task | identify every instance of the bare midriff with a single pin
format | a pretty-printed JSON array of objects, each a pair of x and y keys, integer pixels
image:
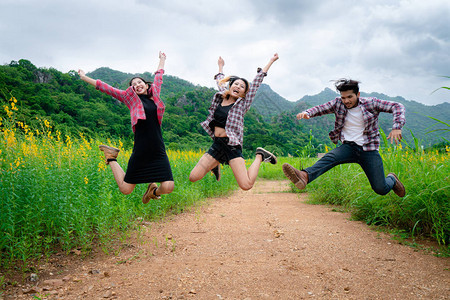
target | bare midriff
[{"x": 220, "y": 132}]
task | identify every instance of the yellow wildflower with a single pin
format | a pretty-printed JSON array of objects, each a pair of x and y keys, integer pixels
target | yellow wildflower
[{"x": 13, "y": 106}]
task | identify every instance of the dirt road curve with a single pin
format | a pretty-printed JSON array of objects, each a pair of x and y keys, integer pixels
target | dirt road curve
[{"x": 261, "y": 244}]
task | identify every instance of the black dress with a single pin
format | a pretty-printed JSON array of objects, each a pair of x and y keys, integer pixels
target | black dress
[{"x": 149, "y": 161}]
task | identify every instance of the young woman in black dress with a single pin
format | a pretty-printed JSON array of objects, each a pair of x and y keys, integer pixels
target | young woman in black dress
[{"x": 148, "y": 162}]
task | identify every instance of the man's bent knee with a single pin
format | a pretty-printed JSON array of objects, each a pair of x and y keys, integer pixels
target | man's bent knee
[{"x": 380, "y": 191}]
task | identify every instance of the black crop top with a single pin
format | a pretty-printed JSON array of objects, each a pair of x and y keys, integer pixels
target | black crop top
[{"x": 220, "y": 116}]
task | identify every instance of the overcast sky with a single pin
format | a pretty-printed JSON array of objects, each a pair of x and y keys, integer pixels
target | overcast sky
[{"x": 399, "y": 48}]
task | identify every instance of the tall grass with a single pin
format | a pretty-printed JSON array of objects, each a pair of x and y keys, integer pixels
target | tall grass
[
  {"x": 57, "y": 193},
  {"x": 425, "y": 210}
]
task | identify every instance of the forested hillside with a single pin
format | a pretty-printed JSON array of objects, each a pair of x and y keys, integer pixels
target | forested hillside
[
  {"x": 417, "y": 116},
  {"x": 73, "y": 106}
]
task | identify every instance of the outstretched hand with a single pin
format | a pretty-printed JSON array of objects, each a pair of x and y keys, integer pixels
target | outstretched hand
[
  {"x": 81, "y": 73},
  {"x": 271, "y": 61},
  {"x": 162, "y": 60},
  {"x": 395, "y": 136},
  {"x": 220, "y": 61},
  {"x": 302, "y": 115},
  {"x": 86, "y": 78},
  {"x": 274, "y": 57}
]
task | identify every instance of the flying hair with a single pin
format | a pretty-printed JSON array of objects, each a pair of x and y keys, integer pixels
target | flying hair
[
  {"x": 228, "y": 81},
  {"x": 344, "y": 84}
]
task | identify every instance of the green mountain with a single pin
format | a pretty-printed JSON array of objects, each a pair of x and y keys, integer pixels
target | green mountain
[
  {"x": 268, "y": 103},
  {"x": 73, "y": 106},
  {"x": 417, "y": 115}
]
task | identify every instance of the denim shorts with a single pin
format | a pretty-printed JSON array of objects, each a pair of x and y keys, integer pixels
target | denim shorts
[{"x": 222, "y": 152}]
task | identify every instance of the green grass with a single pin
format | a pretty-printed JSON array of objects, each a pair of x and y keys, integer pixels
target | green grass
[
  {"x": 425, "y": 210},
  {"x": 55, "y": 199},
  {"x": 56, "y": 193}
]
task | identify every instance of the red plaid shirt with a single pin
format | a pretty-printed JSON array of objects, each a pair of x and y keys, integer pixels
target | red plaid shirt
[
  {"x": 235, "y": 121},
  {"x": 371, "y": 108},
  {"x": 132, "y": 100}
]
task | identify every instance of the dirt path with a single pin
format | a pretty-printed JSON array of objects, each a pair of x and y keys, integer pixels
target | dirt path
[{"x": 261, "y": 244}]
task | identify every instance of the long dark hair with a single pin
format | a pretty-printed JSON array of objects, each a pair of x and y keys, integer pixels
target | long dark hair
[{"x": 147, "y": 82}]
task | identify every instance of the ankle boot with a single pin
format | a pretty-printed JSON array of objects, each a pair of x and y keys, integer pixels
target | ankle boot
[
  {"x": 110, "y": 152},
  {"x": 298, "y": 178}
]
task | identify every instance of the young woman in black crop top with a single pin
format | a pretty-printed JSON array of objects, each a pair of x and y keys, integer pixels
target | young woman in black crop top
[{"x": 225, "y": 125}]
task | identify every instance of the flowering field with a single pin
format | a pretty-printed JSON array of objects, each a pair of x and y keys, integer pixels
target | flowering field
[{"x": 56, "y": 192}]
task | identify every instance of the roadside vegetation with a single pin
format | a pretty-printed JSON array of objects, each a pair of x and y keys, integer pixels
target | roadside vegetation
[{"x": 57, "y": 194}]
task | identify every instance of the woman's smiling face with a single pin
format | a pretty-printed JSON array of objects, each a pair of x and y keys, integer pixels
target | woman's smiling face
[
  {"x": 139, "y": 86},
  {"x": 238, "y": 89}
]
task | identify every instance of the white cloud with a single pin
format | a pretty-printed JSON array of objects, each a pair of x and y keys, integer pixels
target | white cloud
[{"x": 396, "y": 48}]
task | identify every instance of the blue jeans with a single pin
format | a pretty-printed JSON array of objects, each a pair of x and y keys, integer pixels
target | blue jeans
[{"x": 349, "y": 152}]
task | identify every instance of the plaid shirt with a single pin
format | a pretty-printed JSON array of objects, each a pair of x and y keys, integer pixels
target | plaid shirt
[
  {"x": 132, "y": 100},
  {"x": 371, "y": 108},
  {"x": 235, "y": 120}
]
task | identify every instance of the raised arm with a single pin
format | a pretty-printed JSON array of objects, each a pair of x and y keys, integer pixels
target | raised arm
[
  {"x": 256, "y": 83},
  {"x": 158, "y": 79},
  {"x": 87, "y": 78},
  {"x": 271, "y": 61},
  {"x": 162, "y": 60},
  {"x": 221, "y": 63},
  {"x": 319, "y": 110},
  {"x": 219, "y": 76},
  {"x": 103, "y": 87}
]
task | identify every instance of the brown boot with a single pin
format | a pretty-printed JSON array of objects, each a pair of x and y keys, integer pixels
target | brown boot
[
  {"x": 398, "y": 188},
  {"x": 110, "y": 152},
  {"x": 150, "y": 193},
  {"x": 299, "y": 178}
]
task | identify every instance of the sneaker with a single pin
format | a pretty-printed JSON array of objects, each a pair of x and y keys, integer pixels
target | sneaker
[
  {"x": 398, "y": 188},
  {"x": 298, "y": 178},
  {"x": 150, "y": 193},
  {"x": 267, "y": 156},
  {"x": 110, "y": 152},
  {"x": 216, "y": 172}
]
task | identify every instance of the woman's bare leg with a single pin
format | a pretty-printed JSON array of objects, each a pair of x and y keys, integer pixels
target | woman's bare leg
[
  {"x": 166, "y": 187},
  {"x": 204, "y": 165},
  {"x": 245, "y": 178},
  {"x": 119, "y": 175}
]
